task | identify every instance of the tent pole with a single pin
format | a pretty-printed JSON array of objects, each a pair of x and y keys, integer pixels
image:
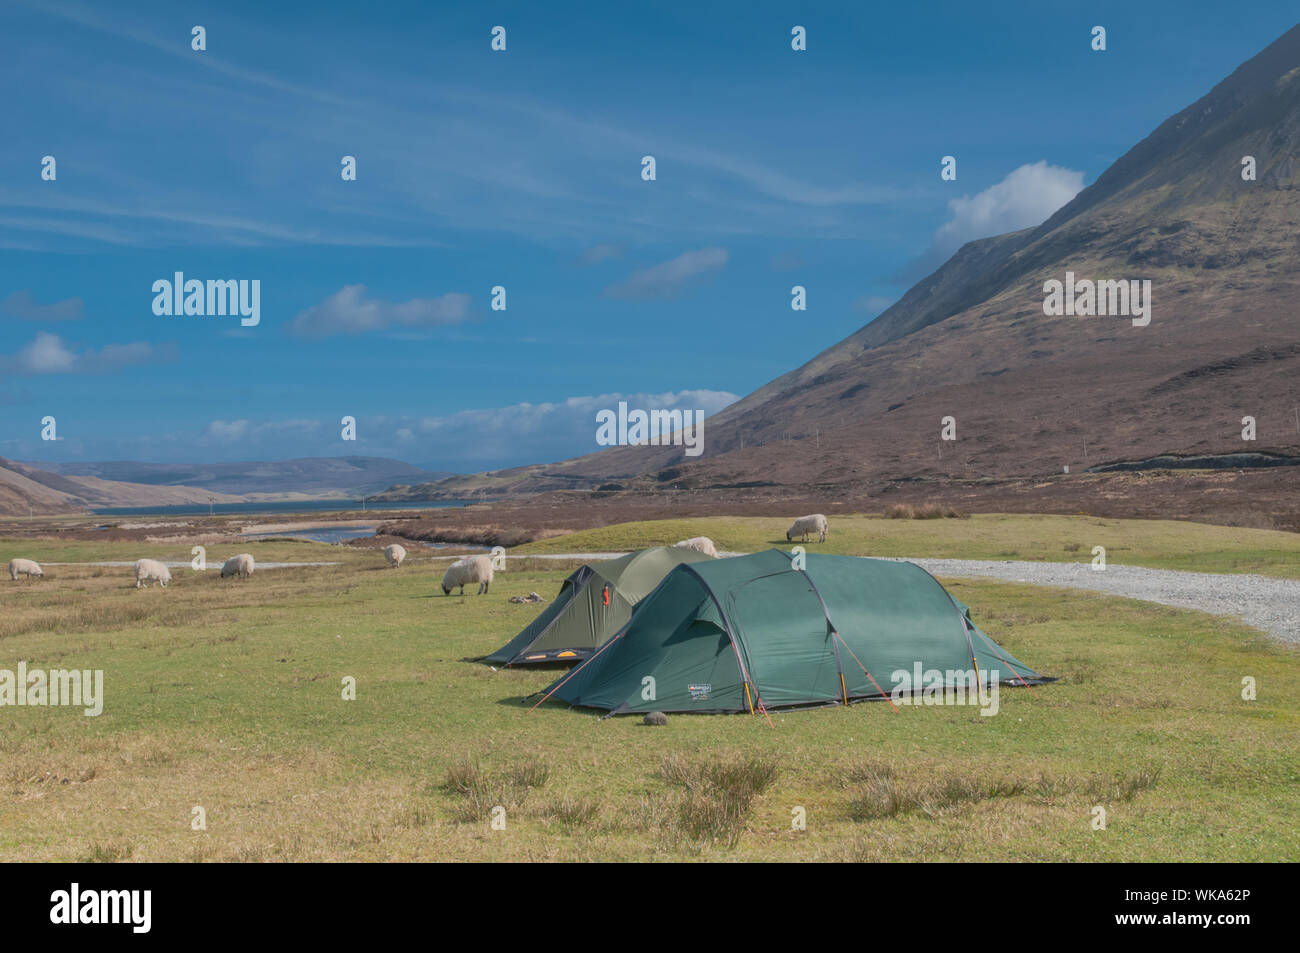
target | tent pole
[{"x": 868, "y": 674}]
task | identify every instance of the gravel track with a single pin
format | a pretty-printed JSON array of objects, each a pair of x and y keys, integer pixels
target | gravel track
[{"x": 1270, "y": 605}]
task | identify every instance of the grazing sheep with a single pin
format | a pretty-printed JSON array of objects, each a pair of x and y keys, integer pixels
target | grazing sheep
[
  {"x": 701, "y": 544},
  {"x": 816, "y": 523},
  {"x": 241, "y": 566},
  {"x": 395, "y": 554},
  {"x": 471, "y": 569},
  {"x": 24, "y": 567},
  {"x": 149, "y": 570},
  {"x": 656, "y": 718}
]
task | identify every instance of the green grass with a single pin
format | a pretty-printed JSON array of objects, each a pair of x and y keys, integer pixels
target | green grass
[
  {"x": 228, "y": 696},
  {"x": 1159, "y": 544},
  {"x": 280, "y": 549}
]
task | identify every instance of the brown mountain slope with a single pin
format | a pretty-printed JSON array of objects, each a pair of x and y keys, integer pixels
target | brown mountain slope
[
  {"x": 26, "y": 489},
  {"x": 1032, "y": 394}
]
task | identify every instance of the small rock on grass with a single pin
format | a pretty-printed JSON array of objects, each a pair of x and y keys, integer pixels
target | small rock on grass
[{"x": 656, "y": 718}]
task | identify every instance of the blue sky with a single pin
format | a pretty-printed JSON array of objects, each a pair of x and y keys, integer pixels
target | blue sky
[{"x": 521, "y": 169}]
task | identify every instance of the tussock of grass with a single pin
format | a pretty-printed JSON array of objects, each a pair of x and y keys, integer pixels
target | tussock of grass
[
  {"x": 864, "y": 772},
  {"x": 883, "y": 795},
  {"x": 719, "y": 795},
  {"x": 108, "y": 852},
  {"x": 483, "y": 789},
  {"x": 572, "y": 813},
  {"x": 1125, "y": 787},
  {"x": 887, "y": 797},
  {"x": 925, "y": 511}
]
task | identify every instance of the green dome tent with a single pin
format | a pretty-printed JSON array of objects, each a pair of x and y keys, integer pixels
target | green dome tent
[
  {"x": 593, "y": 603},
  {"x": 753, "y": 633}
]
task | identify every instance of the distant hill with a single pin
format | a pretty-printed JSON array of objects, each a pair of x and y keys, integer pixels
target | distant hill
[
  {"x": 262, "y": 480},
  {"x": 25, "y": 489},
  {"x": 1033, "y": 393}
]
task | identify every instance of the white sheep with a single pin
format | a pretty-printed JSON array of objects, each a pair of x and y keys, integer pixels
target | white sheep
[
  {"x": 701, "y": 544},
  {"x": 395, "y": 554},
  {"x": 470, "y": 569},
  {"x": 148, "y": 570},
  {"x": 816, "y": 523},
  {"x": 23, "y": 567},
  {"x": 241, "y": 566}
]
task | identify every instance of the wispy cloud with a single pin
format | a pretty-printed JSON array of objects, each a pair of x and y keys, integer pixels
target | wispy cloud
[
  {"x": 251, "y": 433},
  {"x": 872, "y": 304},
  {"x": 348, "y": 311},
  {"x": 481, "y": 439},
  {"x": 23, "y": 306},
  {"x": 467, "y": 172},
  {"x": 606, "y": 251},
  {"x": 669, "y": 278},
  {"x": 785, "y": 261}
]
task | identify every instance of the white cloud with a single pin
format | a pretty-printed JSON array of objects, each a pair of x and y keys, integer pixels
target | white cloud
[
  {"x": 467, "y": 440},
  {"x": 246, "y": 431},
  {"x": 349, "y": 312},
  {"x": 669, "y": 278},
  {"x": 534, "y": 433},
  {"x": 1026, "y": 197},
  {"x": 48, "y": 354}
]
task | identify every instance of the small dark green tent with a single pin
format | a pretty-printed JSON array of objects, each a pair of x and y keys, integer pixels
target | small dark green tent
[
  {"x": 753, "y": 632},
  {"x": 593, "y": 603}
]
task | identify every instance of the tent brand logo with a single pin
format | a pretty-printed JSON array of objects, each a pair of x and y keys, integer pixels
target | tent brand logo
[
  {"x": 1086, "y": 298},
  {"x": 56, "y": 687},
  {"x": 700, "y": 693},
  {"x": 210, "y": 299},
  {"x": 657, "y": 428},
  {"x": 75, "y": 906},
  {"x": 934, "y": 686}
]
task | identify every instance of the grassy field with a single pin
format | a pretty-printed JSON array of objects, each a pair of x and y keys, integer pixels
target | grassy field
[
  {"x": 228, "y": 696},
  {"x": 1159, "y": 544}
]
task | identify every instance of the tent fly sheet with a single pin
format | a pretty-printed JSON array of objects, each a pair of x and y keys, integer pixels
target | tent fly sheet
[
  {"x": 754, "y": 632},
  {"x": 593, "y": 603}
]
